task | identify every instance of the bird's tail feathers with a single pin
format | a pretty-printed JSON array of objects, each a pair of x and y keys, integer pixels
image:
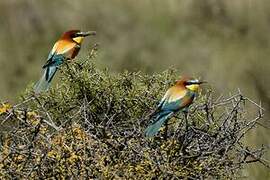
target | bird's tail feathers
[
  {"x": 160, "y": 119},
  {"x": 45, "y": 81}
]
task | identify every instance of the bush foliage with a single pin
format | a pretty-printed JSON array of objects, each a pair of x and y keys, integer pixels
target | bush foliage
[{"x": 91, "y": 125}]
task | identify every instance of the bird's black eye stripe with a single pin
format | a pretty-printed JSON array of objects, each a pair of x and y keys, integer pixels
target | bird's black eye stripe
[
  {"x": 73, "y": 35},
  {"x": 188, "y": 83}
]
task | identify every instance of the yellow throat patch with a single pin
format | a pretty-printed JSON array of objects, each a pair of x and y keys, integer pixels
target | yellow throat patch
[
  {"x": 193, "y": 87},
  {"x": 78, "y": 39}
]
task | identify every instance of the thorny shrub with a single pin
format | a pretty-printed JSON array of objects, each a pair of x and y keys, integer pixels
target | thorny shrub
[{"x": 91, "y": 126}]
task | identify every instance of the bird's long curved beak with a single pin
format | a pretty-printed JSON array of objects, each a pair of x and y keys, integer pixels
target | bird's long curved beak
[{"x": 87, "y": 33}]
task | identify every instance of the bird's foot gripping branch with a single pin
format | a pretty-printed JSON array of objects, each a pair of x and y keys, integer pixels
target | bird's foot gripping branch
[{"x": 92, "y": 126}]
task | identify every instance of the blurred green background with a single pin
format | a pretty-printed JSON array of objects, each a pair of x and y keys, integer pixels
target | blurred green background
[{"x": 226, "y": 42}]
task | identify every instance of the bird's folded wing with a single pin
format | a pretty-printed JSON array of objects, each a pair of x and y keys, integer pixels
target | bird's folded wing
[
  {"x": 53, "y": 51},
  {"x": 174, "y": 94},
  {"x": 58, "y": 53},
  {"x": 65, "y": 47},
  {"x": 55, "y": 60}
]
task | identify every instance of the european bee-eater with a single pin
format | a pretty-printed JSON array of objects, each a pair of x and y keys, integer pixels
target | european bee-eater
[
  {"x": 66, "y": 48},
  {"x": 178, "y": 97}
]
